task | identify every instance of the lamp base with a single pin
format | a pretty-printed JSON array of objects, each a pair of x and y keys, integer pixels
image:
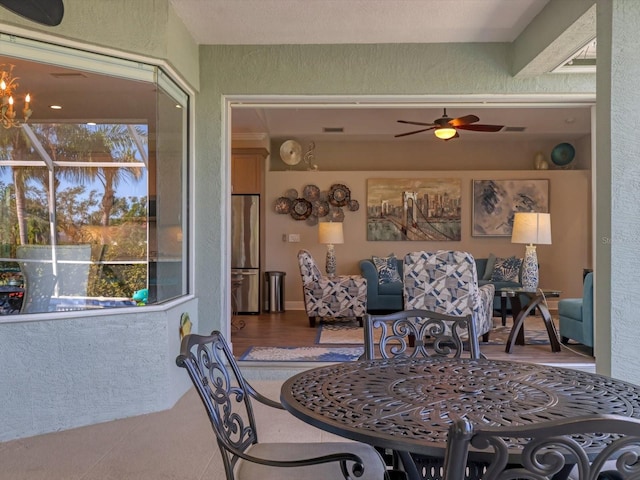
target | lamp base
[
  {"x": 331, "y": 261},
  {"x": 530, "y": 269}
]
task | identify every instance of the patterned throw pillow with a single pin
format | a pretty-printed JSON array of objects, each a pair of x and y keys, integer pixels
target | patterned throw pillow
[
  {"x": 387, "y": 269},
  {"x": 506, "y": 270}
]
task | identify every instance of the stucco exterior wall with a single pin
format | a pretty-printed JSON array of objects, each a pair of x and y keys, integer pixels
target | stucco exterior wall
[{"x": 625, "y": 190}]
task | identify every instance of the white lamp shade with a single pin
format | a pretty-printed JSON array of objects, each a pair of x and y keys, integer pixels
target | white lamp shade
[
  {"x": 330, "y": 233},
  {"x": 531, "y": 228}
]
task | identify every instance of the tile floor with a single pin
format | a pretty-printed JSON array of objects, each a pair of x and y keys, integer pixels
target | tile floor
[{"x": 175, "y": 444}]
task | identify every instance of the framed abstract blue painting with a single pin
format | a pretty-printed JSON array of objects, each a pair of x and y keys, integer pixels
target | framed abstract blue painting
[{"x": 495, "y": 203}]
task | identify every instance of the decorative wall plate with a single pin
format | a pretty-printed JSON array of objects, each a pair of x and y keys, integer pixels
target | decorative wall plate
[
  {"x": 321, "y": 208},
  {"x": 562, "y": 154},
  {"x": 353, "y": 205},
  {"x": 339, "y": 195},
  {"x": 291, "y": 152},
  {"x": 300, "y": 209},
  {"x": 292, "y": 193},
  {"x": 311, "y": 220},
  {"x": 336, "y": 214},
  {"x": 311, "y": 193},
  {"x": 283, "y": 205}
]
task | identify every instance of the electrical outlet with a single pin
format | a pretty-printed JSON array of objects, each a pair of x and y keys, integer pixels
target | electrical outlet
[{"x": 294, "y": 237}]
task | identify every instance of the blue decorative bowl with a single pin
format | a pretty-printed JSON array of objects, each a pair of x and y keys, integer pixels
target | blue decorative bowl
[{"x": 562, "y": 154}]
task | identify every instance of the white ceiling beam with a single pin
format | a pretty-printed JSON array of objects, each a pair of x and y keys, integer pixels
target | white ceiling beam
[{"x": 561, "y": 29}]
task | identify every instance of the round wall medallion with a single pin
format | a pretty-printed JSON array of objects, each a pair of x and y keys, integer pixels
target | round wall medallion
[
  {"x": 339, "y": 195},
  {"x": 311, "y": 193},
  {"x": 292, "y": 193},
  {"x": 353, "y": 205},
  {"x": 336, "y": 214},
  {"x": 283, "y": 205},
  {"x": 300, "y": 209},
  {"x": 321, "y": 208}
]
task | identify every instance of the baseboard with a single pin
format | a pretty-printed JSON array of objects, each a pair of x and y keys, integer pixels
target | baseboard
[{"x": 297, "y": 305}]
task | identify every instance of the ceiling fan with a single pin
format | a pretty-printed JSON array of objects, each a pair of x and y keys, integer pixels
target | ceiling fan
[
  {"x": 46, "y": 12},
  {"x": 446, "y": 127}
]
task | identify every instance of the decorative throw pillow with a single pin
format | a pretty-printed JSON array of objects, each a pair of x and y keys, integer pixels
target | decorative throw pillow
[
  {"x": 506, "y": 270},
  {"x": 488, "y": 271},
  {"x": 387, "y": 269}
]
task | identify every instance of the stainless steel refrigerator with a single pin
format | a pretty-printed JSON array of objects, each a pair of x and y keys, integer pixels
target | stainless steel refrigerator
[{"x": 245, "y": 253}]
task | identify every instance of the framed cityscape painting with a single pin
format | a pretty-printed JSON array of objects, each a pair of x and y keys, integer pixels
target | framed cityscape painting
[
  {"x": 495, "y": 203},
  {"x": 413, "y": 209}
]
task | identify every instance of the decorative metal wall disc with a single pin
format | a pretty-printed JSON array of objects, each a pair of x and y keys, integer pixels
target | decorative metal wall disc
[
  {"x": 283, "y": 205},
  {"x": 291, "y": 152},
  {"x": 339, "y": 195},
  {"x": 300, "y": 209},
  {"x": 353, "y": 205},
  {"x": 292, "y": 194},
  {"x": 311, "y": 193}
]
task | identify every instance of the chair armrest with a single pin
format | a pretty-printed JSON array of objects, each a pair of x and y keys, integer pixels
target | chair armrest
[
  {"x": 369, "y": 271},
  {"x": 262, "y": 399},
  {"x": 341, "y": 282}
]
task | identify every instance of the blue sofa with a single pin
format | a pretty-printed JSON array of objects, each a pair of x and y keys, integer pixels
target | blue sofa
[
  {"x": 576, "y": 316},
  {"x": 388, "y": 297}
]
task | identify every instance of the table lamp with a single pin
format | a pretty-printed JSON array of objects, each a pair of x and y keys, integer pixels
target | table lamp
[
  {"x": 532, "y": 229},
  {"x": 330, "y": 234}
]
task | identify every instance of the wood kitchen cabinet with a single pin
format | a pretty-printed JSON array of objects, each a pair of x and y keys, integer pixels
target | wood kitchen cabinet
[{"x": 247, "y": 166}]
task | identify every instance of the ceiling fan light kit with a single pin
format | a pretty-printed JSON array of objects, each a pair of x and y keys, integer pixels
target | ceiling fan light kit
[{"x": 445, "y": 133}]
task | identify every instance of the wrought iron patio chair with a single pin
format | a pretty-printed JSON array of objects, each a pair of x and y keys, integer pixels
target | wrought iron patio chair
[
  {"x": 226, "y": 396},
  {"x": 415, "y": 333},
  {"x": 418, "y": 333},
  {"x": 584, "y": 448}
]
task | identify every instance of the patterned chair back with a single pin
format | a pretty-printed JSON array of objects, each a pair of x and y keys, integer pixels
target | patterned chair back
[
  {"x": 308, "y": 269},
  {"x": 444, "y": 281}
]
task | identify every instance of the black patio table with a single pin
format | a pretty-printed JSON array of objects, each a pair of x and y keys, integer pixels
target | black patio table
[{"x": 408, "y": 404}]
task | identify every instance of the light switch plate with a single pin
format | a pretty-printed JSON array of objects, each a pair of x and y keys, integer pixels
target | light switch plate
[{"x": 294, "y": 237}]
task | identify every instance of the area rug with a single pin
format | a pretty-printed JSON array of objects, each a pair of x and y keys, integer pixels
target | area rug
[
  {"x": 350, "y": 333},
  {"x": 302, "y": 354}
]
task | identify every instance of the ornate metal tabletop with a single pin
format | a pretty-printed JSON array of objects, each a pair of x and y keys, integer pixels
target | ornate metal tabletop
[{"x": 408, "y": 404}]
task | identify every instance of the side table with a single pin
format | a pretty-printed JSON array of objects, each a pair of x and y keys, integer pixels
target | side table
[{"x": 537, "y": 300}]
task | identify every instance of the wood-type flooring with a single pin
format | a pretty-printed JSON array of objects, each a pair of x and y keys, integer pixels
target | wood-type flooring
[{"x": 291, "y": 329}]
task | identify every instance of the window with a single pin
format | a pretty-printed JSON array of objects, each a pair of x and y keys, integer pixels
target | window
[{"x": 93, "y": 207}]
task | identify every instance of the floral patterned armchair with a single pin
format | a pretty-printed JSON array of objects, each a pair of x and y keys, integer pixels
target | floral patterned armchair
[
  {"x": 341, "y": 296},
  {"x": 446, "y": 281}
]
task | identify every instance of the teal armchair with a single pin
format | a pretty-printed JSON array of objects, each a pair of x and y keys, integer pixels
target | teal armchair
[{"x": 576, "y": 316}]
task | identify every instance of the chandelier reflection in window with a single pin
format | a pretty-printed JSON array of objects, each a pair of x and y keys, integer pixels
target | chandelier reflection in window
[{"x": 8, "y": 89}]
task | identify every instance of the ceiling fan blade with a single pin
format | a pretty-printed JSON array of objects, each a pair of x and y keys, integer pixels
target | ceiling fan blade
[
  {"x": 417, "y": 123},
  {"x": 466, "y": 120},
  {"x": 415, "y": 131},
  {"x": 46, "y": 12},
  {"x": 482, "y": 128}
]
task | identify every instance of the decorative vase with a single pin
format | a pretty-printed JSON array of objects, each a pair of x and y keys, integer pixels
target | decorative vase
[{"x": 539, "y": 162}]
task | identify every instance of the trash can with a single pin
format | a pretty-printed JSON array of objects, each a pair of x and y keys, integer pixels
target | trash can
[{"x": 274, "y": 291}]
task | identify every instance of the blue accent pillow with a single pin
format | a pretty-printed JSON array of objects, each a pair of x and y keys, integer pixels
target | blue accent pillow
[
  {"x": 387, "y": 268},
  {"x": 506, "y": 270}
]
